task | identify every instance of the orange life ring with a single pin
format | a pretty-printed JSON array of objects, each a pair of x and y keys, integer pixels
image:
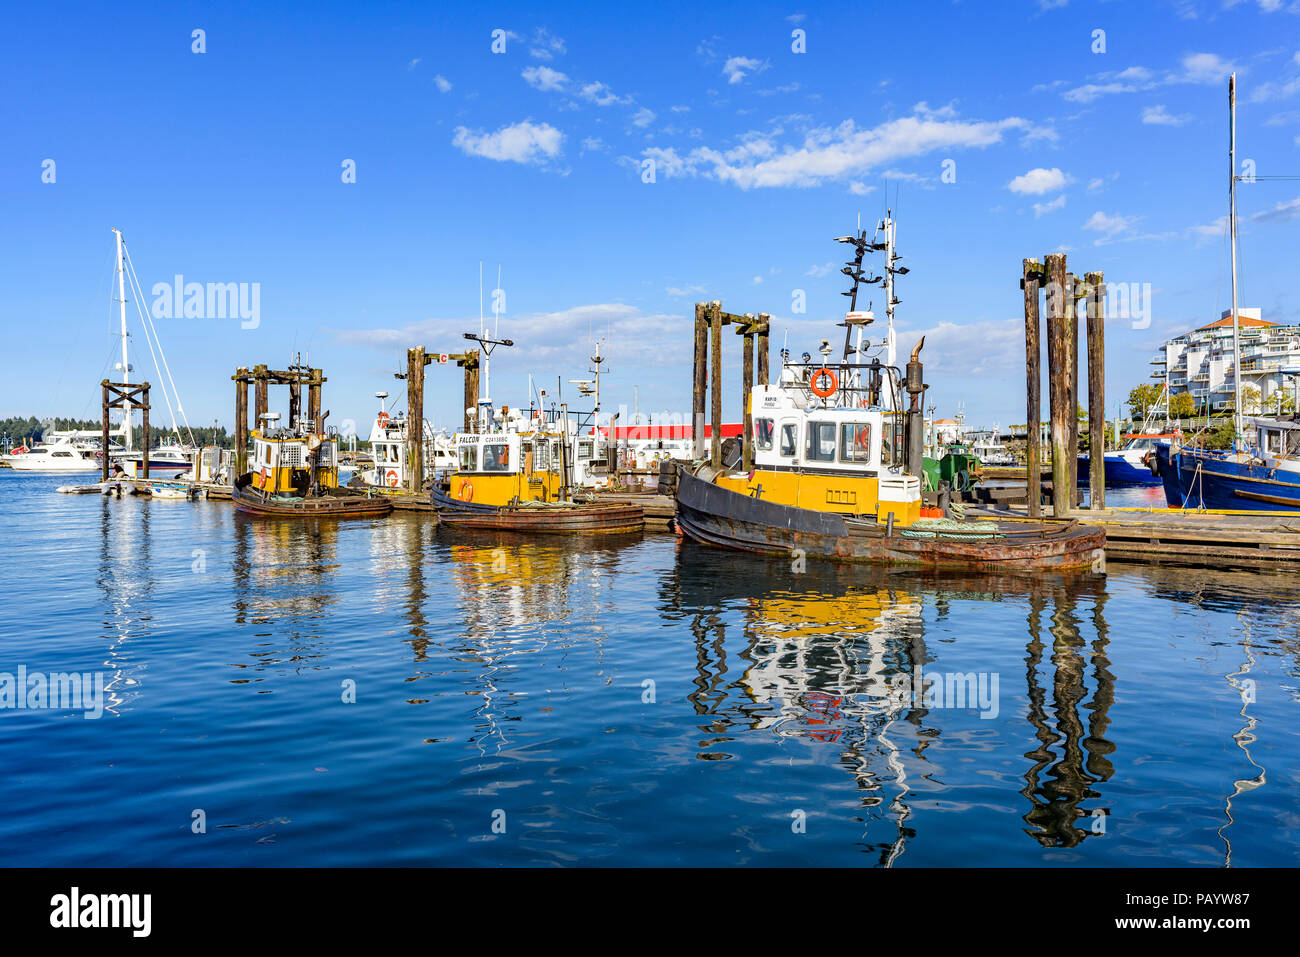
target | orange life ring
[
  {"x": 264, "y": 477},
  {"x": 392, "y": 478},
  {"x": 818, "y": 388},
  {"x": 466, "y": 492},
  {"x": 383, "y": 419}
]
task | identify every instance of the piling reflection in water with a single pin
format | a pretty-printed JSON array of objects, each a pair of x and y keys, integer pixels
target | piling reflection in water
[{"x": 1068, "y": 764}]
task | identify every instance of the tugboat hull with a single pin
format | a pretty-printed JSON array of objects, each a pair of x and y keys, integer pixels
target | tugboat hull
[
  {"x": 336, "y": 503},
  {"x": 713, "y": 515},
  {"x": 540, "y": 518}
]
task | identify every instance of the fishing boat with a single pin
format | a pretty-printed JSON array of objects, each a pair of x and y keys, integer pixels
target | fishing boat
[
  {"x": 836, "y": 470},
  {"x": 389, "y": 469},
  {"x": 527, "y": 471},
  {"x": 294, "y": 474}
]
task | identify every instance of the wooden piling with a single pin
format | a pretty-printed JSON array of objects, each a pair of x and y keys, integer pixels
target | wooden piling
[
  {"x": 313, "y": 400},
  {"x": 1096, "y": 310},
  {"x": 698, "y": 382},
  {"x": 144, "y": 428},
  {"x": 715, "y": 383},
  {"x": 1072, "y": 370},
  {"x": 760, "y": 342},
  {"x": 1058, "y": 380},
  {"x": 261, "y": 384},
  {"x": 1033, "y": 378},
  {"x": 415, "y": 362},
  {"x": 746, "y": 389},
  {"x": 241, "y": 420},
  {"x": 471, "y": 392},
  {"x": 103, "y": 465}
]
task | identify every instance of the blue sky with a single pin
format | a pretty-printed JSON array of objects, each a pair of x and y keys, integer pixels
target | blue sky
[{"x": 226, "y": 166}]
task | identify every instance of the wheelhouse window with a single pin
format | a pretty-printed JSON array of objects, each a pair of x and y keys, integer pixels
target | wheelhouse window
[
  {"x": 763, "y": 432},
  {"x": 584, "y": 451},
  {"x": 789, "y": 439},
  {"x": 496, "y": 457},
  {"x": 1275, "y": 441},
  {"x": 820, "y": 445},
  {"x": 469, "y": 458},
  {"x": 855, "y": 442}
]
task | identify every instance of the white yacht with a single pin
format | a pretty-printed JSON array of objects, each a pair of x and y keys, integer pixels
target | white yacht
[{"x": 60, "y": 455}]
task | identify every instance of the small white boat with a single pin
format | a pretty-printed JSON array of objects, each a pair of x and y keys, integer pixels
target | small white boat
[{"x": 158, "y": 490}]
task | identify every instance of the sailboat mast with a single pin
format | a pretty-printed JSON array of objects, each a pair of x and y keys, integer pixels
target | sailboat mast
[
  {"x": 1232, "y": 228},
  {"x": 126, "y": 364}
]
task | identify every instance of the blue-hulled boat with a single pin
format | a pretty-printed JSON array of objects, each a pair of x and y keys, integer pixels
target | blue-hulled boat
[
  {"x": 1128, "y": 465},
  {"x": 1263, "y": 479}
]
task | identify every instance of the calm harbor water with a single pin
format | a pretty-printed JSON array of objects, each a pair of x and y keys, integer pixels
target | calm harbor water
[{"x": 639, "y": 701}]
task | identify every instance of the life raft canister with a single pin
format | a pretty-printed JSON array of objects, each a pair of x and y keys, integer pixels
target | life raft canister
[
  {"x": 824, "y": 383},
  {"x": 392, "y": 478}
]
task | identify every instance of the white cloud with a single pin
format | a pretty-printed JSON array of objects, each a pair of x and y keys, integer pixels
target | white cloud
[
  {"x": 1157, "y": 116},
  {"x": 442, "y": 83},
  {"x": 677, "y": 292},
  {"x": 829, "y": 153},
  {"x": 1110, "y": 227},
  {"x": 545, "y": 45},
  {"x": 600, "y": 94},
  {"x": 594, "y": 144},
  {"x": 758, "y": 280},
  {"x": 1043, "y": 208},
  {"x": 558, "y": 340},
  {"x": 738, "y": 67},
  {"x": 1095, "y": 184},
  {"x": 1204, "y": 68},
  {"x": 818, "y": 271},
  {"x": 860, "y": 189},
  {"x": 544, "y": 78},
  {"x": 412, "y": 65},
  {"x": 643, "y": 117},
  {"x": 522, "y": 142},
  {"x": 1039, "y": 181}
]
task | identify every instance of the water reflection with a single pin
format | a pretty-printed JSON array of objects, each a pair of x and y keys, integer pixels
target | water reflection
[
  {"x": 124, "y": 576},
  {"x": 1059, "y": 781},
  {"x": 285, "y": 577},
  {"x": 517, "y": 597},
  {"x": 821, "y": 655}
]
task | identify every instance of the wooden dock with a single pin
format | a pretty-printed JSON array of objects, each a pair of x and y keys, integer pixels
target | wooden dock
[{"x": 1185, "y": 537}]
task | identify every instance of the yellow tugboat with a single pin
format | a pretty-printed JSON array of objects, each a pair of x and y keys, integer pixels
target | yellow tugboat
[
  {"x": 294, "y": 474},
  {"x": 527, "y": 471},
  {"x": 837, "y": 465}
]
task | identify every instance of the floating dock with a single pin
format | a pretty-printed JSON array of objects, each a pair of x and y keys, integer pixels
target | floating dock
[{"x": 1184, "y": 537}]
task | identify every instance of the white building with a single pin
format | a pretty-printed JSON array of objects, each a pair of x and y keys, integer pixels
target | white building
[{"x": 1200, "y": 362}]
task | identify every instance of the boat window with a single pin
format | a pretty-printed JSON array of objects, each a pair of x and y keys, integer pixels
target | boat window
[
  {"x": 820, "y": 445},
  {"x": 855, "y": 442},
  {"x": 763, "y": 429},
  {"x": 1274, "y": 441},
  {"x": 542, "y": 456},
  {"x": 584, "y": 451},
  {"x": 788, "y": 439},
  {"x": 886, "y": 448},
  {"x": 496, "y": 457},
  {"x": 66, "y": 455},
  {"x": 469, "y": 458}
]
